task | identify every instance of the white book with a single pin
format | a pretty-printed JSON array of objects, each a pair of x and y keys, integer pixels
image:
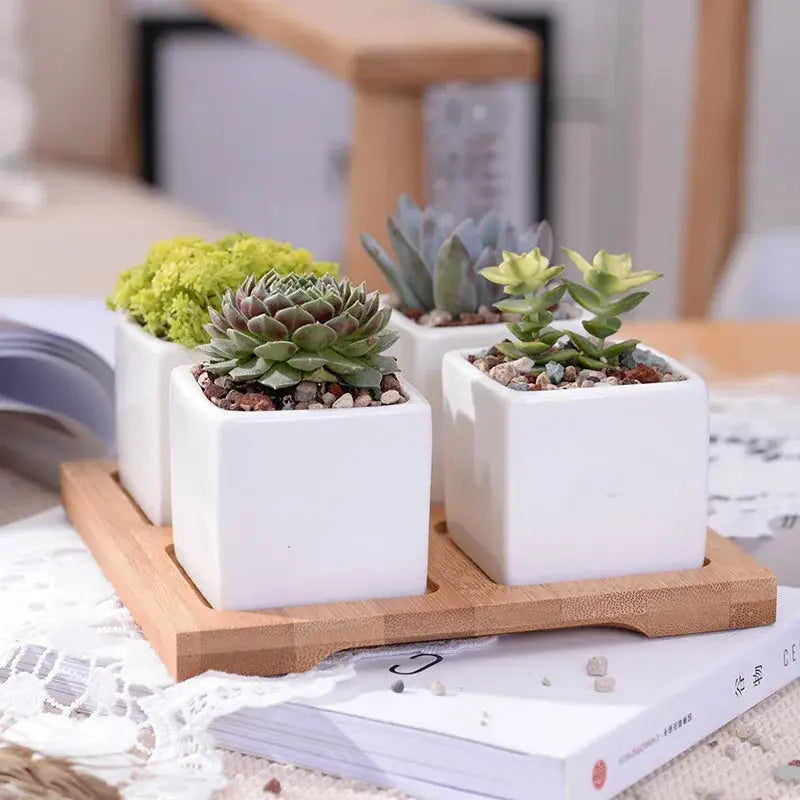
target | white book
[{"x": 499, "y": 732}]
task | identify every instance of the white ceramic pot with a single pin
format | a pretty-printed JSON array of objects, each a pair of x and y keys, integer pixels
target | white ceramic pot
[
  {"x": 280, "y": 508},
  {"x": 143, "y": 365},
  {"x": 569, "y": 485},
  {"x": 419, "y": 352}
]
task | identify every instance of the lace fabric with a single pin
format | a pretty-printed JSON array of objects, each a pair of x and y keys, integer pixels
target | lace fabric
[{"x": 79, "y": 680}]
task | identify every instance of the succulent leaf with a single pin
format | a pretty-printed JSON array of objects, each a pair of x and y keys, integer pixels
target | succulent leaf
[
  {"x": 307, "y": 362},
  {"x": 281, "y": 376},
  {"x": 276, "y": 351},
  {"x": 250, "y": 371},
  {"x": 314, "y": 337},
  {"x": 618, "y": 348},
  {"x": 393, "y": 274},
  {"x": 585, "y": 297},
  {"x": 627, "y": 303},
  {"x": 601, "y": 327},
  {"x": 263, "y": 326},
  {"x": 320, "y": 309},
  {"x": 416, "y": 273},
  {"x": 584, "y": 345},
  {"x": 451, "y": 291}
]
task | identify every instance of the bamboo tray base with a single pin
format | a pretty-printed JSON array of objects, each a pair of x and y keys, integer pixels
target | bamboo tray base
[{"x": 730, "y": 591}]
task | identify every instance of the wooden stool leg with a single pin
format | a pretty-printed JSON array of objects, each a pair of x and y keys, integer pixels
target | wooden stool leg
[{"x": 387, "y": 161}]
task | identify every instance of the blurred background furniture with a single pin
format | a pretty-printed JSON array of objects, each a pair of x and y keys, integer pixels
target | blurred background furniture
[
  {"x": 96, "y": 218},
  {"x": 390, "y": 52},
  {"x": 715, "y": 169}
]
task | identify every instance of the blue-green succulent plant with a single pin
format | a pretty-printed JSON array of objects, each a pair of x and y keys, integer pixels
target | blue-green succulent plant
[{"x": 437, "y": 267}]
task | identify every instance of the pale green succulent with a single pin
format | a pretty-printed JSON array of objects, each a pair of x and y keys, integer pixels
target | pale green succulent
[
  {"x": 607, "y": 280},
  {"x": 527, "y": 275},
  {"x": 437, "y": 267},
  {"x": 278, "y": 331}
]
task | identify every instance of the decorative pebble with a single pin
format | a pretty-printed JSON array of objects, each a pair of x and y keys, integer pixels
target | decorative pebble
[
  {"x": 398, "y": 686},
  {"x": 546, "y": 681},
  {"x": 640, "y": 356},
  {"x": 304, "y": 406},
  {"x": 587, "y": 384},
  {"x": 435, "y": 318},
  {"x": 328, "y": 399},
  {"x": 570, "y": 373},
  {"x": 555, "y": 371},
  {"x": 743, "y": 731},
  {"x": 669, "y": 377},
  {"x": 713, "y": 743},
  {"x": 363, "y": 400},
  {"x": 604, "y": 684},
  {"x": 345, "y": 401},
  {"x": 730, "y": 751},
  {"x": 503, "y": 373},
  {"x": 786, "y": 773},
  {"x": 519, "y": 386},
  {"x": 611, "y": 380},
  {"x": 489, "y": 317},
  {"x": 305, "y": 392},
  {"x": 390, "y": 398},
  {"x": 523, "y": 365},
  {"x": 551, "y": 388},
  {"x": 272, "y": 786},
  {"x": 481, "y": 364},
  {"x": 542, "y": 380},
  {"x": 316, "y": 406},
  {"x": 390, "y": 382},
  {"x": 590, "y": 375},
  {"x": 438, "y": 689},
  {"x": 597, "y": 666}
]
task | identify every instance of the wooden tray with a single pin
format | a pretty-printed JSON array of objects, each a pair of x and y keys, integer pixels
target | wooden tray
[{"x": 730, "y": 591}]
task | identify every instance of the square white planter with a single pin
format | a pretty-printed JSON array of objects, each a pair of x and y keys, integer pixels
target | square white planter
[
  {"x": 280, "y": 508},
  {"x": 419, "y": 352},
  {"x": 570, "y": 485},
  {"x": 143, "y": 365}
]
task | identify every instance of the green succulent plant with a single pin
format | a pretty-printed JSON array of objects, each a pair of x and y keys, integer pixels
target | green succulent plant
[
  {"x": 528, "y": 275},
  {"x": 170, "y": 293},
  {"x": 437, "y": 267},
  {"x": 609, "y": 279},
  {"x": 280, "y": 330}
]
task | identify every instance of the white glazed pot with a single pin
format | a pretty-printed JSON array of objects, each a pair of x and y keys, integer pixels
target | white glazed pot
[
  {"x": 143, "y": 364},
  {"x": 280, "y": 508},
  {"x": 570, "y": 485},
  {"x": 419, "y": 351}
]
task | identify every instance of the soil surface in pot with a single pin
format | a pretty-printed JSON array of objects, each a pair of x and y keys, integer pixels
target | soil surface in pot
[
  {"x": 438, "y": 318},
  {"x": 238, "y": 396},
  {"x": 638, "y": 366}
]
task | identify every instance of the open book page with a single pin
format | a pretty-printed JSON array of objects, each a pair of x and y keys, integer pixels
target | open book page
[
  {"x": 56, "y": 396},
  {"x": 84, "y": 321}
]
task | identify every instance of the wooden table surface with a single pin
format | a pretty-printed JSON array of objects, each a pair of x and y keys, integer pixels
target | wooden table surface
[{"x": 725, "y": 350}]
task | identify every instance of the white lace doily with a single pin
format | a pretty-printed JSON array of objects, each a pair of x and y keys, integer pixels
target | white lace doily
[{"x": 80, "y": 681}]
